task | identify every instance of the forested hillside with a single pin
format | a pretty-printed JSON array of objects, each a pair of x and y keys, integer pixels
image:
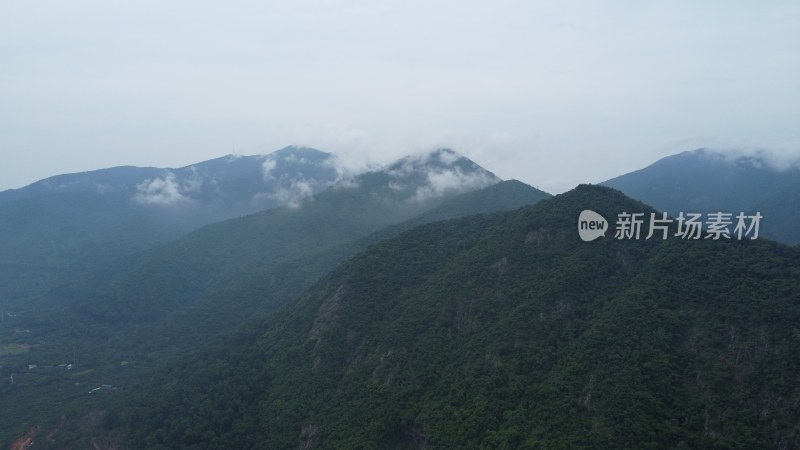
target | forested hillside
[
  {"x": 119, "y": 351},
  {"x": 502, "y": 331}
]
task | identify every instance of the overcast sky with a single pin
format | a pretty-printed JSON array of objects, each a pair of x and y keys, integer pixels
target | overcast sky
[{"x": 553, "y": 93}]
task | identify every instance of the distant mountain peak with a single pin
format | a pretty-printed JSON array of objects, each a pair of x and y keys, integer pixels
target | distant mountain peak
[
  {"x": 294, "y": 173},
  {"x": 439, "y": 158},
  {"x": 228, "y": 186},
  {"x": 300, "y": 152},
  {"x": 435, "y": 174},
  {"x": 243, "y": 184},
  {"x": 706, "y": 180}
]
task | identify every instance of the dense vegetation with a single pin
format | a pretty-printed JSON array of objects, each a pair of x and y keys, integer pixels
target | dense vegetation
[
  {"x": 118, "y": 350},
  {"x": 501, "y": 331}
]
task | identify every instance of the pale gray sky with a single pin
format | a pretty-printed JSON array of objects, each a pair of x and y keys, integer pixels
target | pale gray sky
[{"x": 552, "y": 93}]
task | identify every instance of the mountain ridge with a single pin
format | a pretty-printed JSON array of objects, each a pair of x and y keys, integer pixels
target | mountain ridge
[
  {"x": 336, "y": 215},
  {"x": 504, "y": 331},
  {"x": 702, "y": 181},
  {"x": 164, "y": 301}
]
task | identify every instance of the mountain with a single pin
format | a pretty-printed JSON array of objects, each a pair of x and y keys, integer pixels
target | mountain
[
  {"x": 163, "y": 302},
  {"x": 705, "y": 181},
  {"x": 265, "y": 290},
  {"x": 172, "y": 276},
  {"x": 252, "y": 182},
  {"x": 60, "y": 226},
  {"x": 782, "y": 214},
  {"x": 498, "y": 331}
]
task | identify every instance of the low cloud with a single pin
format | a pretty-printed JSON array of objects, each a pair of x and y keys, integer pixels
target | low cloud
[
  {"x": 779, "y": 161},
  {"x": 442, "y": 175},
  {"x": 291, "y": 188},
  {"x": 267, "y": 167},
  {"x": 192, "y": 183},
  {"x": 159, "y": 191},
  {"x": 452, "y": 181},
  {"x": 347, "y": 169},
  {"x": 350, "y": 182},
  {"x": 291, "y": 192},
  {"x": 448, "y": 158},
  {"x": 408, "y": 165}
]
